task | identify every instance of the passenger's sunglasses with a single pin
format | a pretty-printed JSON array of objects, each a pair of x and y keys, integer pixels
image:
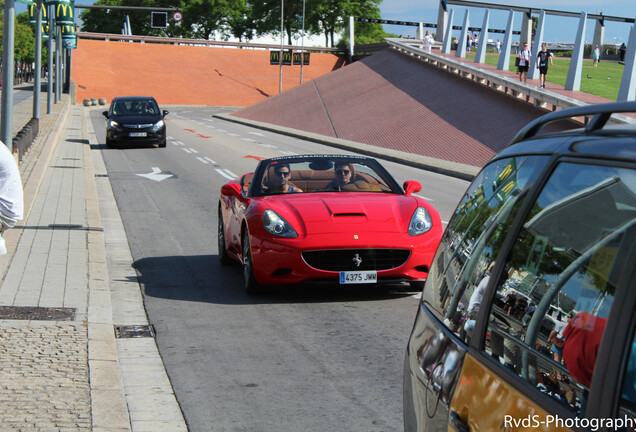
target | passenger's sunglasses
[{"x": 343, "y": 172}]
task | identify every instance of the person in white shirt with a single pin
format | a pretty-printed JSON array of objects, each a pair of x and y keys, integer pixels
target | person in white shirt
[
  {"x": 11, "y": 200},
  {"x": 524, "y": 62},
  {"x": 428, "y": 42}
]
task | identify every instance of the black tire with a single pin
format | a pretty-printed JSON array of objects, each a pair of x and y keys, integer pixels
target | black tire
[
  {"x": 109, "y": 143},
  {"x": 162, "y": 144},
  {"x": 249, "y": 281},
  {"x": 224, "y": 258}
]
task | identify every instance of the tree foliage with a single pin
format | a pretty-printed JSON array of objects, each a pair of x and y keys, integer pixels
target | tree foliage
[
  {"x": 243, "y": 19},
  {"x": 23, "y": 39}
]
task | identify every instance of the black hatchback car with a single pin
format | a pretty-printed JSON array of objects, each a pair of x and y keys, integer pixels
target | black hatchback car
[
  {"x": 527, "y": 320},
  {"x": 135, "y": 120}
]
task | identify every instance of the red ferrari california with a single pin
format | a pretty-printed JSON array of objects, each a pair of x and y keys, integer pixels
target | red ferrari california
[{"x": 326, "y": 218}]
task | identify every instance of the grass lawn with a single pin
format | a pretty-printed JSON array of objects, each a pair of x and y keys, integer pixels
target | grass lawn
[{"x": 598, "y": 84}]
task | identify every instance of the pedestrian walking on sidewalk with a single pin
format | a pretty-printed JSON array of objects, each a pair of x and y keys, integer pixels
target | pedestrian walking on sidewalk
[
  {"x": 11, "y": 201},
  {"x": 428, "y": 42},
  {"x": 524, "y": 62},
  {"x": 542, "y": 63}
]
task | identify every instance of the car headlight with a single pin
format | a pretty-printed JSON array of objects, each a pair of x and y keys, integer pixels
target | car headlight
[
  {"x": 158, "y": 126},
  {"x": 421, "y": 222},
  {"x": 275, "y": 224},
  {"x": 112, "y": 124}
]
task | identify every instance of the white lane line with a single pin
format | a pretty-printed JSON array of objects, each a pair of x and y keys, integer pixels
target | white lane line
[
  {"x": 230, "y": 173},
  {"x": 193, "y": 150},
  {"x": 169, "y": 137},
  {"x": 233, "y": 134},
  {"x": 178, "y": 143},
  {"x": 227, "y": 176},
  {"x": 268, "y": 145},
  {"x": 209, "y": 160},
  {"x": 444, "y": 223},
  {"x": 202, "y": 160},
  {"x": 187, "y": 150},
  {"x": 221, "y": 130},
  {"x": 256, "y": 133},
  {"x": 289, "y": 153},
  {"x": 423, "y": 197},
  {"x": 248, "y": 139},
  {"x": 210, "y": 120}
]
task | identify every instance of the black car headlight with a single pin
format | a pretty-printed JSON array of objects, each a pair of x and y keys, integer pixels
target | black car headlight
[
  {"x": 421, "y": 222},
  {"x": 275, "y": 224},
  {"x": 112, "y": 124},
  {"x": 158, "y": 126}
]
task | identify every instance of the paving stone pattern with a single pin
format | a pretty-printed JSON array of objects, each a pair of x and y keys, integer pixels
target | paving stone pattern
[{"x": 47, "y": 386}]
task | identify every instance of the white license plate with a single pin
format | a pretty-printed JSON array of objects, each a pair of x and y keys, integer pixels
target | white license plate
[
  {"x": 137, "y": 134},
  {"x": 359, "y": 277}
]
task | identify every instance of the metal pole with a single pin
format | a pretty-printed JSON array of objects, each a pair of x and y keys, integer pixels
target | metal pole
[
  {"x": 7, "y": 74},
  {"x": 58, "y": 65},
  {"x": 37, "y": 83},
  {"x": 302, "y": 46},
  {"x": 49, "y": 83},
  {"x": 280, "y": 58}
]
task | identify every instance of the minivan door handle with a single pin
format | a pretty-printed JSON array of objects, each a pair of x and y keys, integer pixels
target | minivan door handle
[{"x": 456, "y": 423}]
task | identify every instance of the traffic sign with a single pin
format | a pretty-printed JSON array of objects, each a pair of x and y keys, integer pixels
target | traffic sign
[{"x": 177, "y": 16}]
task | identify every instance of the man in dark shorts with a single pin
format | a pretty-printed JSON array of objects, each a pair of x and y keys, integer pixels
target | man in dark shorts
[
  {"x": 524, "y": 62},
  {"x": 542, "y": 62}
]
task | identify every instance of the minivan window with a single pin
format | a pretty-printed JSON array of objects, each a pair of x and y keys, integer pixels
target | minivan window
[
  {"x": 455, "y": 283},
  {"x": 554, "y": 296}
]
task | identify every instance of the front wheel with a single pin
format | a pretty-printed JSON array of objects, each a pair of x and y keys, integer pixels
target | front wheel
[
  {"x": 249, "y": 281},
  {"x": 223, "y": 256},
  {"x": 162, "y": 144}
]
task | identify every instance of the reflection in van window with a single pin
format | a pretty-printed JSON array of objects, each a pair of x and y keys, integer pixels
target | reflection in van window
[
  {"x": 456, "y": 284},
  {"x": 557, "y": 289}
]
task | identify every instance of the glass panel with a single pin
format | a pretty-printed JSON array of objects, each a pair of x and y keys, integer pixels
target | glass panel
[
  {"x": 553, "y": 300},
  {"x": 478, "y": 227}
]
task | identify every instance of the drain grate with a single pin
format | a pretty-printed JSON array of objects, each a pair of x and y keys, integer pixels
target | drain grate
[
  {"x": 37, "y": 313},
  {"x": 134, "y": 331},
  {"x": 101, "y": 175}
]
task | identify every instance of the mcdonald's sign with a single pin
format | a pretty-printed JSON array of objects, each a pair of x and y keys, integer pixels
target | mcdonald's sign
[
  {"x": 64, "y": 13},
  {"x": 33, "y": 17}
]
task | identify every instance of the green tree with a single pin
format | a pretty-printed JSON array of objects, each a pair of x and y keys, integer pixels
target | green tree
[{"x": 23, "y": 39}]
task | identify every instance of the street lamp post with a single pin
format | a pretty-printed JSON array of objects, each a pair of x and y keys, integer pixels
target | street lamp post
[
  {"x": 280, "y": 57},
  {"x": 302, "y": 46}
]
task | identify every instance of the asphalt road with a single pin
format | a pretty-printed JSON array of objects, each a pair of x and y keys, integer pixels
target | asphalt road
[{"x": 302, "y": 358}]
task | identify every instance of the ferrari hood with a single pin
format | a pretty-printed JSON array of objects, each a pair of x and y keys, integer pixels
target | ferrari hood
[{"x": 323, "y": 213}]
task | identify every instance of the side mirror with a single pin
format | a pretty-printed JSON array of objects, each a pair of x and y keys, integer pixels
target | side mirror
[
  {"x": 105, "y": 114},
  {"x": 165, "y": 113},
  {"x": 231, "y": 189},
  {"x": 411, "y": 186}
]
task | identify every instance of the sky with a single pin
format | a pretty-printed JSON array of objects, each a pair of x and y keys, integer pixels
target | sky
[{"x": 557, "y": 29}]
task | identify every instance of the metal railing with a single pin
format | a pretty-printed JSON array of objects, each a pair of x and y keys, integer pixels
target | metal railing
[{"x": 530, "y": 94}]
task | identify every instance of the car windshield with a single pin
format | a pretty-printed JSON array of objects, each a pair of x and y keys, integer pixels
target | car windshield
[
  {"x": 322, "y": 174},
  {"x": 135, "y": 107}
]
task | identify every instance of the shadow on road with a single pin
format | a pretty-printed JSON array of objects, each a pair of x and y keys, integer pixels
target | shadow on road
[{"x": 201, "y": 278}]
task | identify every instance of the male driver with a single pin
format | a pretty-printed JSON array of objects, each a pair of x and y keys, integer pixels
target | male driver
[
  {"x": 343, "y": 172},
  {"x": 282, "y": 174}
]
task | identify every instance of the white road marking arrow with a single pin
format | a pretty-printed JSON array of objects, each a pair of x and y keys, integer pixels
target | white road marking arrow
[{"x": 156, "y": 175}]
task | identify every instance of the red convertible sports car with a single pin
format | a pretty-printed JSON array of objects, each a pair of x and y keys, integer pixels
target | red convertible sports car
[{"x": 326, "y": 218}]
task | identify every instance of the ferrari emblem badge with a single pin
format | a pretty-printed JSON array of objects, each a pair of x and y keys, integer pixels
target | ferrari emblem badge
[
  {"x": 355, "y": 236},
  {"x": 357, "y": 260}
]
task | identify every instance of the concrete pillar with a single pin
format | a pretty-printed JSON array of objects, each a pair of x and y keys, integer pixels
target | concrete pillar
[
  {"x": 599, "y": 34},
  {"x": 442, "y": 21},
  {"x": 461, "y": 48},
  {"x": 573, "y": 82},
  {"x": 448, "y": 35},
  {"x": 483, "y": 39},
  {"x": 504, "y": 56},
  {"x": 533, "y": 72},
  {"x": 627, "y": 90},
  {"x": 419, "y": 34},
  {"x": 526, "y": 29}
]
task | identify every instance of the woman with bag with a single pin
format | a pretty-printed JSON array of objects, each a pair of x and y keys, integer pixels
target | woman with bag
[{"x": 524, "y": 62}]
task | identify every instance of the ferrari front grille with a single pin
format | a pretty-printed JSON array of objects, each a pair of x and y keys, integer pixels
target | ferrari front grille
[{"x": 356, "y": 259}]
